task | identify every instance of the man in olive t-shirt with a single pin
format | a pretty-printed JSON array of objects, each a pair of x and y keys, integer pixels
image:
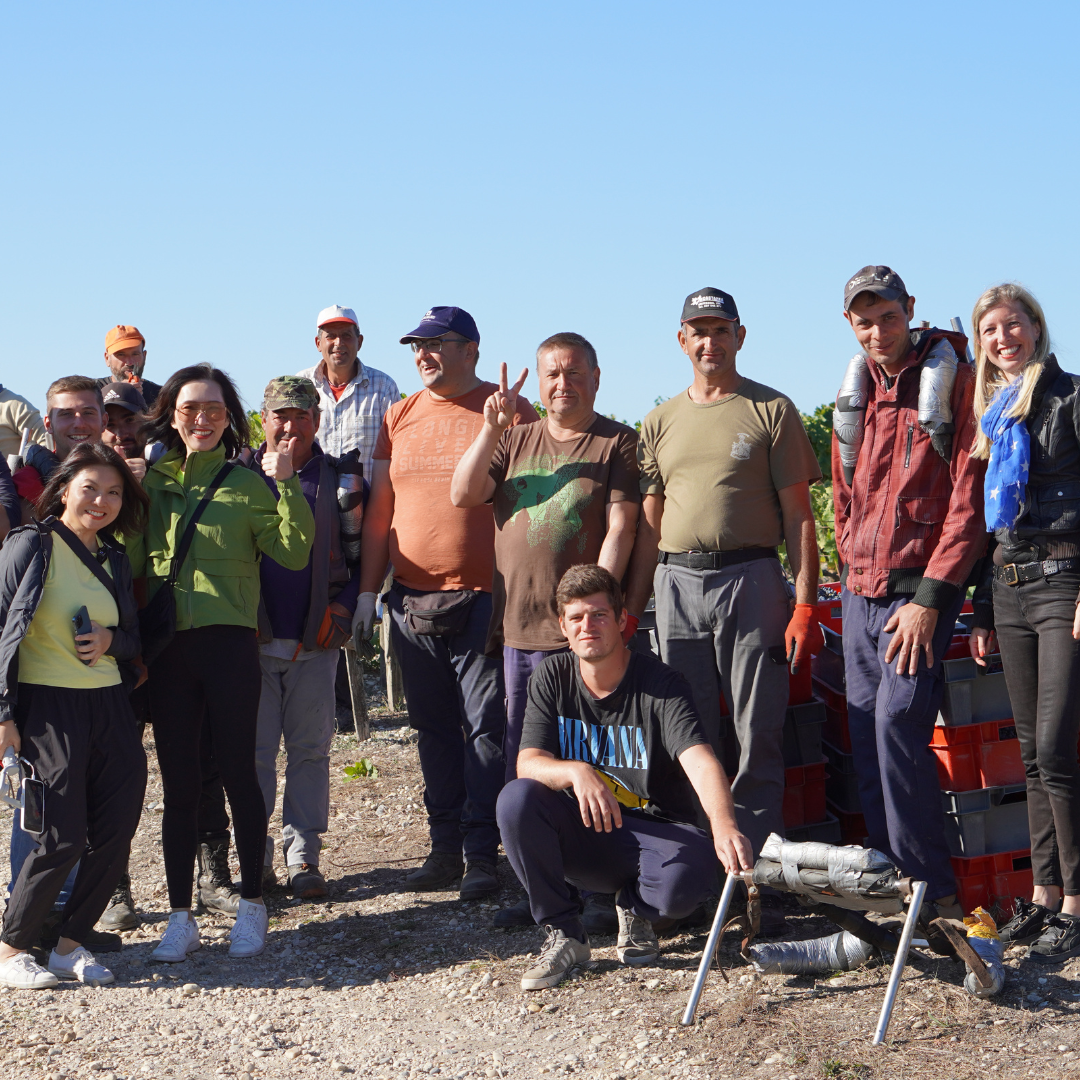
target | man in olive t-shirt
[{"x": 726, "y": 469}]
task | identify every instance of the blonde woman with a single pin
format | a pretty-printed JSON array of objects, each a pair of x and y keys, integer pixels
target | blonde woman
[{"x": 1029, "y": 430}]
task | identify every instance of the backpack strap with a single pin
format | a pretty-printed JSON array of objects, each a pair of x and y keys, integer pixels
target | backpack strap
[
  {"x": 85, "y": 557},
  {"x": 189, "y": 532}
]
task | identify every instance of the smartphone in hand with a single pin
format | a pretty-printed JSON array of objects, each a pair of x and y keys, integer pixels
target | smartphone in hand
[{"x": 81, "y": 622}]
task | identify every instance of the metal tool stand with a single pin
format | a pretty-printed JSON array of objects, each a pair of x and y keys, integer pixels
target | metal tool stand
[
  {"x": 918, "y": 892},
  {"x": 711, "y": 945}
]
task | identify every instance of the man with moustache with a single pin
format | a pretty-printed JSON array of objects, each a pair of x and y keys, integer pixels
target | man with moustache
[
  {"x": 440, "y": 604},
  {"x": 125, "y": 357},
  {"x": 124, "y": 416}
]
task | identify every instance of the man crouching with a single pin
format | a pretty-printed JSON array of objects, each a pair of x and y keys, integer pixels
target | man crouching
[{"x": 616, "y": 731}]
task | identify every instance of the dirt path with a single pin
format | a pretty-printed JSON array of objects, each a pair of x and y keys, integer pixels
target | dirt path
[{"x": 383, "y": 983}]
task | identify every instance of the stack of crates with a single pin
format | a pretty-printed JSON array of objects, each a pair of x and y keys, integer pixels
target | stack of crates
[{"x": 978, "y": 756}]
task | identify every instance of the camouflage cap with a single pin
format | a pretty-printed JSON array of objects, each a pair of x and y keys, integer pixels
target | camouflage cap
[{"x": 290, "y": 392}]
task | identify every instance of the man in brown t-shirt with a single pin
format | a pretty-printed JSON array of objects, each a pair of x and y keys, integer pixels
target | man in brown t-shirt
[
  {"x": 565, "y": 491},
  {"x": 440, "y": 603},
  {"x": 726, "y": 468}
]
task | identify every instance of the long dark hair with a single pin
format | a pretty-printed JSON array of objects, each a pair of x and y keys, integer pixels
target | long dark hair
[
  {"x": 158, "y": 427},
  {"x": 132, "y": 517}
]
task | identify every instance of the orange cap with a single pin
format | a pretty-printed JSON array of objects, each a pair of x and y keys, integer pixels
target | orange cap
[{"x": 123, "y": 337}]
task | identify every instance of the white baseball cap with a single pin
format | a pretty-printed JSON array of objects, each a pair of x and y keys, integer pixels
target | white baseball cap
[{"x": 336, "y": 313}]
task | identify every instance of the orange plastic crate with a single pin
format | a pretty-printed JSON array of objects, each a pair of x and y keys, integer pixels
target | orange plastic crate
[
  {"x": 992, "y": 881},
  {"x": 977, "y": 755}
]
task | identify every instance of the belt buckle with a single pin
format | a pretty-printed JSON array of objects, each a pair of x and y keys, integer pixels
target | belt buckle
[
  {"x": 1010, "y": 574},
  {"x": 695, "y": 560}
]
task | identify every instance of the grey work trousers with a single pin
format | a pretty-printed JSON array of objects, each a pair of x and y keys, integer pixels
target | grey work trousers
[
  {"x": 723, "y": 630},
  {"x": 297, "y": 706}
]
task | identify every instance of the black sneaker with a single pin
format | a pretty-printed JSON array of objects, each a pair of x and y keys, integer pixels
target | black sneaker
[
  {"x": 520, "y": 914},
  {"x": 1027, "y": 923},
  {"x": 440, "y": 870},
  {"x": 1059, "y": 941}
]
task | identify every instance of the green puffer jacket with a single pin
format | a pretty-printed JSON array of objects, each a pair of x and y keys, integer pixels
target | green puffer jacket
[{"x": 219, "y": 581}]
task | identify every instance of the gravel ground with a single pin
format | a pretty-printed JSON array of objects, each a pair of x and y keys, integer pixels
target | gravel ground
[{"x": 383, "y": 983}]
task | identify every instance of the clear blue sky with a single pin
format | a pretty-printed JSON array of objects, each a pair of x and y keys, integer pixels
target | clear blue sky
[{"x": 217, "y": 173}]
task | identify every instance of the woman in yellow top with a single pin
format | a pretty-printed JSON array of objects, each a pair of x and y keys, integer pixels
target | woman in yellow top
[
  {"x": 64, "y": 705},
  {"x": 211, "y": 665}
]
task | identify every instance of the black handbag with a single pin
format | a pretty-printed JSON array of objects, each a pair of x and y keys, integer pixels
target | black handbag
[
  {"x": 438, "y": 614},
  {"x": 157, "y": 621}
]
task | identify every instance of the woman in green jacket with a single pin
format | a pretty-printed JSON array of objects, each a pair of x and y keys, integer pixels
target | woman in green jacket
[{"x": 211, "y": 665}]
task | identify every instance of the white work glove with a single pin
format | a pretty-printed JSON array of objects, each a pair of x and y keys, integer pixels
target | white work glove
[{"x": 363, "y": 619}]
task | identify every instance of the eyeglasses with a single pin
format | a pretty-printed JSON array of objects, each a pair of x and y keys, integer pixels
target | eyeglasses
[
  {"x": 212, "y": 410},
  {"x": 435, "y": 344}
]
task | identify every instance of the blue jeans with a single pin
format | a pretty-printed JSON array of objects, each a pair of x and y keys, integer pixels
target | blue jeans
[
  {"x": 891, "y": 721},
  {"x": 454, "y": 694}
]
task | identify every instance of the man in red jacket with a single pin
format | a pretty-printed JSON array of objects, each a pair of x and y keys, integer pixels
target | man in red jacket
[{"x": 909, "y": 531}]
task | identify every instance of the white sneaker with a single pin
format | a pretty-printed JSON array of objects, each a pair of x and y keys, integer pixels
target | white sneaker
[
  {"x": 23, "y": 972},
  {"x": 79, "y": 964},
  {"x": 181, "y": 937},
  {"x": 248, "y": 934}
]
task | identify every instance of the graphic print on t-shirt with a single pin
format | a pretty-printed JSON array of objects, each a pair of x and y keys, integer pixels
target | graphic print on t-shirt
[
  {"x": 618, "y": 746},
  {"x": 553, "y": 497}
]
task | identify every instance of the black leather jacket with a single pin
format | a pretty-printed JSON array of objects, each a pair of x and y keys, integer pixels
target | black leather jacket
[
  {"x": 24, "y": 566},
  {"x": 1049, "y": 522}
]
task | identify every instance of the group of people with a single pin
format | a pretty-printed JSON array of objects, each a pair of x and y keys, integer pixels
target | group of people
[{"x": 515, "y": 554}]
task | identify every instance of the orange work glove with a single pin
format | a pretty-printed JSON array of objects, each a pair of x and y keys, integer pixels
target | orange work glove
[
  {"x": 631, "y": 628},
  {"x": 803, "y": 634}
]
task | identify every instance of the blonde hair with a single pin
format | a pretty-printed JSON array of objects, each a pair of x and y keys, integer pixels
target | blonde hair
[{"x": 988, "y": 379}]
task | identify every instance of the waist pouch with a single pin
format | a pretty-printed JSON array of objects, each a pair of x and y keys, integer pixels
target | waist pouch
[{"x": 438, "y": 614}]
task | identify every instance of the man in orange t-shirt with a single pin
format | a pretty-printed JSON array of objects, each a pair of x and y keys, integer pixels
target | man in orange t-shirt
[{"x": 440, "y": 603}]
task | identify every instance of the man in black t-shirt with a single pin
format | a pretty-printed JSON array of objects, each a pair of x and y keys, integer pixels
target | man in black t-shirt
[{"x": 612, "y": 770}]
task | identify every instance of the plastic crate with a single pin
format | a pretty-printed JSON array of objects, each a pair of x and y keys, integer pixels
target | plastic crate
[
  {"x": 987, "y": 821},
  {"x": 974, "y": 694},
  {"x": 800, "y": 687},
  {"x": 804, "y": 795},
  {"x": 802, "y": 733},
  {"x": 976, "y": 755},
  {"x": 993, "y": 881},
  {"x": 829, "y": 611},
  {"x": 852, "y": 826},
  {"x": 842, "y": 786},
  {"x": 828, "y": 665},
  {"x": 836, "y": 717},
  {"x": 822, "y": 832}
]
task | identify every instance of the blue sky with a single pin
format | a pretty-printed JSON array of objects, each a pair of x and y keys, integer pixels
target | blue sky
[{"x": 217, "y": 173}]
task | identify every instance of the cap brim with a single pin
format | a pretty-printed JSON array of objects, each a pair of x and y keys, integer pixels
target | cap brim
[
  {"x": 883, "y": 291},
  {"x": 425, "y": 333},
  {"x": 125, "y": 343},
  {"x": 711, "y": 315},
  {"x": 124, "y": 405},
  {"x": 338, "y": 319}
]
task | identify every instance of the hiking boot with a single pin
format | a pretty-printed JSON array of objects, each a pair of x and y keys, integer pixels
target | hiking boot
[
  {"x": 599, "y": 915},
  {"x": 479, "y": 880},
  {"x": 269, "y": 878},
  {"x": 180, "y": 938},
  {"x": 120, "y": 914},
  {"x": 248, "y": 935},
  {"x": 216, "y": 889},
  {"x": 637, "y": 945},
  {"x": 1059, "y": 940},
  {"x": 23, "y": 972},
  {"x": 307, "y": 882},
  {"x": 1026, "y": 925},
  {"x": 518, "y": 914},
  {"x": 559, "y": 956},
  {"x": 94, "y": 940},
  {"x": 80, "y": 966},
  {"x": 440, "y": 869}
]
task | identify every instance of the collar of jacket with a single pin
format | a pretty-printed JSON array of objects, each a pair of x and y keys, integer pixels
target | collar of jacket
[
  {"x": 182, "y": 473},
  {"x": 1051, "y": 370}
]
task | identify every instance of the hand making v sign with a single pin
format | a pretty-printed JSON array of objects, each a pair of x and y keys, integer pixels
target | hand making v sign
[{"x": 499, "y": 409}]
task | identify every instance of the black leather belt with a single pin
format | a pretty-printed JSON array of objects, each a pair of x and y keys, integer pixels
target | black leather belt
[
  {"x": 1015, "y": 573},
  {"x": 714, "y": 560}
]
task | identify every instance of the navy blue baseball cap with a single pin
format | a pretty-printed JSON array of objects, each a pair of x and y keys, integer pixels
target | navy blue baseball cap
[{"x": 444, "y": 320}]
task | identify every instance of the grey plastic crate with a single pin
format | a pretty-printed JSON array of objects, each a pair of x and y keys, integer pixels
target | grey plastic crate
[
  {"x": 802, "y": 733},
  {"x": 823, "y": 832},
  {"x": 987, "y": 821},
  {"x": 828, "y": 665},
  {"x": 841, "y": 781},
  {"x": 974, "y": 694}
]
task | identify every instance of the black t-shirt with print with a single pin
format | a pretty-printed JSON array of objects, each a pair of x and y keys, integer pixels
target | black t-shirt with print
[{"x": 634, "y": 735}]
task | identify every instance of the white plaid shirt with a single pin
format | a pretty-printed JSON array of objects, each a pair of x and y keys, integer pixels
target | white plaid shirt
[{"x": 355, "y": 419}]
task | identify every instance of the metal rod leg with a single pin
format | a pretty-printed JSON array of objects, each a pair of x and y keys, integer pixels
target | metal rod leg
[
  {"x": 710, "y": 948},
  {"x": 918, "y": 891}
]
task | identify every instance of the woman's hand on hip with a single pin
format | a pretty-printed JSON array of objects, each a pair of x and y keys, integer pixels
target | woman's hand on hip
[
  {"x": 93, "y": 646},
  {"x": 9, "y": 738}
]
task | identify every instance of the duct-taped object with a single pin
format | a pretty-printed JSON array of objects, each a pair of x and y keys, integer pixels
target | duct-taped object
[
  {"x": 837, "y": 952},
  {"x": 849, "y": 416},
  {"x": 860, "y": 879},
  {"x": 936, "y": 381}
]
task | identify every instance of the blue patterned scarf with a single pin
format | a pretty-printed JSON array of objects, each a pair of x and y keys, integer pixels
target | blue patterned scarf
[{"x": 1010, "y": 458}]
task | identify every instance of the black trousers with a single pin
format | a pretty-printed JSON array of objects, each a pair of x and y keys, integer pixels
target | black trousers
[
  {"x": 208, "y": 675},
  {"x": 84, "y": 745},
  {"x": 1042, "y": 670}
]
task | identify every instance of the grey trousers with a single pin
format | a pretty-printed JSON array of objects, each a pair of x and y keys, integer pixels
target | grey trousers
[
  {"x": 724, "y": 631},
  {"x": 297, "y": 706}
]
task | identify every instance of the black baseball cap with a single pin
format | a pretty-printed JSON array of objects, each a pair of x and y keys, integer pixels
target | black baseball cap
[
  {"x": 709, "y": 304},
  {"x": 444, "y": 320},
  {"x": 881, "y": 280},
  {"x": 124, "y": 394}
]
